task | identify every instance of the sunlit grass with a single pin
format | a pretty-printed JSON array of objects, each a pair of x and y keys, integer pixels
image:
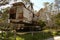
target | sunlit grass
[
  {"x": 36, "y": 36},
  {"x": 19, "y": 38},
  {"x": 46, "y": 30}
]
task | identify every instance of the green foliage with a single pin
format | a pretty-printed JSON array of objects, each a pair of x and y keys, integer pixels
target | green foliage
[
  {"x": 36, "y": 36},
  {"x": 41, "y": 23},
  {"x": 57, "y": 19},
  {"x": 4, "y": 16},
  {"x": 7, "y": 35}
]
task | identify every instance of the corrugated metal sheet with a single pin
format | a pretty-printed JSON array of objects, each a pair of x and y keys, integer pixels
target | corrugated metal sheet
[{"x": 27, "y": 15}]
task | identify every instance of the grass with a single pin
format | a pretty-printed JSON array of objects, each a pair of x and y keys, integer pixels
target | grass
[
  {"x": 36, "y": 36},
  {"x": 28, "y": 36}
]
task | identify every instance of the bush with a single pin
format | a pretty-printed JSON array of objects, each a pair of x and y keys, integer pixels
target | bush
[{"x": 41, "y": 24}]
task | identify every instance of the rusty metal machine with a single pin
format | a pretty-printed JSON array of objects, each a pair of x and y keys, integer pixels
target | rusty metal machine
[{"x": 22, "y": 17}]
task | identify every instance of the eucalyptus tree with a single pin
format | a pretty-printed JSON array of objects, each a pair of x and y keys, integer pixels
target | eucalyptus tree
[
  {"x": 57, "y": 19},
  {"x": 3, "y": 2},
  {"x": 46, "y": 5}
]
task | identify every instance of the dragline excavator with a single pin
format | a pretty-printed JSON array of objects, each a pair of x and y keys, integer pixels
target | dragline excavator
[{"x": 22, "y": 17}]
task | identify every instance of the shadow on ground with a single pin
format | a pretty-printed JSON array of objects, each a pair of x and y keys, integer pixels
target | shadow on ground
[
  {"x": 35, "y": 36},
  {"x": 30, "y": 36}
]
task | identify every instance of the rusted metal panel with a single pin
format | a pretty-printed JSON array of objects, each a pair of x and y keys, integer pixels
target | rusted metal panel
[
  {"x": 12, "y": 10},
  {"x": 22, "y": 13},
  {"x": 20, "y": 16},
  {"x": 28, "y": 16}
]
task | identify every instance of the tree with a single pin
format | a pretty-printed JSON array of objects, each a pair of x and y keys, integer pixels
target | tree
[
  {"x": 3, "y": 2},
  {"x": 46, "y": 4},
  {"x": 5, "y": 13},
  {"x": 57, "y": 4},
  {"x": 41, "y": 24},
  {"x": 57, "y": 19},
  {"x": 26, "y": 0}
]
